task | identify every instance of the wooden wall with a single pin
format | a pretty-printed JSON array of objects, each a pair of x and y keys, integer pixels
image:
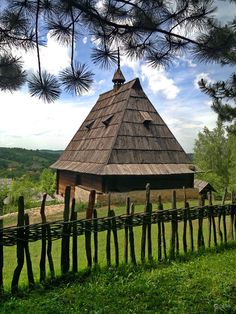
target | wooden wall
[
  {"x": 132, "y": 183},
  {"x": 64, "y": 179}
]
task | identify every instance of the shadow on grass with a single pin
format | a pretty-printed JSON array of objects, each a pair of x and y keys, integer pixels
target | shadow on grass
[{"x": 122, "y": 271}]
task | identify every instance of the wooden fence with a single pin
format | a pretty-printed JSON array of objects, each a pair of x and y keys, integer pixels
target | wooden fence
[{"x": 70, "y": 228}]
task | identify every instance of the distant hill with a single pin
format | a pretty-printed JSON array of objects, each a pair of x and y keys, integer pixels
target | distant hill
[{"x": 15, "y": 162}]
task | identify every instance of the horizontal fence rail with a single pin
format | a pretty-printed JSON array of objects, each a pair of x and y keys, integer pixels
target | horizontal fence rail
[{"x": 9, "y": 235}]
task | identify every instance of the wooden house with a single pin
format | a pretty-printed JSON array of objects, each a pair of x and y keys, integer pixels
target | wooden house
[
  {"x": 122, "y": 145},
  {"x": 203, "y": 187}
]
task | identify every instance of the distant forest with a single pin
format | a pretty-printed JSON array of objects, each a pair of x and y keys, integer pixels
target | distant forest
[{"x": 16, "y": 162}]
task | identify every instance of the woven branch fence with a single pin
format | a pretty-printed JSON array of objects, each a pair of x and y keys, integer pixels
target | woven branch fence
[{"x": 221, "y": 227}]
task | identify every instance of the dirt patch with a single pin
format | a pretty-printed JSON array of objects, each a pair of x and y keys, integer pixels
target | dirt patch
[{"x": 53, "y": 212}]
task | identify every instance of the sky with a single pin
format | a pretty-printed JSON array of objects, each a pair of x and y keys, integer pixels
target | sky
[{"x": 30, "y": 123}]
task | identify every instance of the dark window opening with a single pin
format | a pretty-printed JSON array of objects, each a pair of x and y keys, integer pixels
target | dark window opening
[{"x": 107, "y": 120}]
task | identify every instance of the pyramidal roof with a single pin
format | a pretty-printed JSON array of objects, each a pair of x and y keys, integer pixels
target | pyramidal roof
[{"x": 124, "y": 135}]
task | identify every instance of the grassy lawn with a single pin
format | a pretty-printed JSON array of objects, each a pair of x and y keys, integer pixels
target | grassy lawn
[{"x": 201, "y": 284}]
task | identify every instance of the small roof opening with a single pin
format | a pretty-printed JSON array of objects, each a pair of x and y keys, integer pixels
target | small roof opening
[
  {"x": 146, "y": 117},
  {"x": 106, "y": 121},
  {"x": 89, "y": 125}
]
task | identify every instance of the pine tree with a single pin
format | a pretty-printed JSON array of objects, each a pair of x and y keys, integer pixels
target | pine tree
[
  {"x": 223, "y": 94},
  {"x": 156, "y": 31}
]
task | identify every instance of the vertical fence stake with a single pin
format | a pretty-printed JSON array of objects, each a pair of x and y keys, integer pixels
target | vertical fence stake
[
  {"x": 89, "y": 215},
  {"x": 126, "y": 244},
  {"x": 209, "y": 225},
  {"x": 200, "y": 229},
  {"x": 144, "y": 227},
  {"x": 20, "y": 246},
  {"x": 219, "y": 224},
  {"x": 185, "y": 222},
  {"x": 185, "y": 247},
  {"x": 159, "y": 222},
  {"x": 42, "y": 264},
  {"x": 95, "y": 237},
  {"x": 232, "y": 222},
  {"x": 27, "y": 253},
  {"x": 224, "y": 225},
  {"x": 73, "y": 219},
  {"x": 220, "y": 215},
  {"x": 49, "y": 252},
  {"x": 190, "y": 227},
  {"x": 185, "y": 229},
  {"x": 65, "y": 241},
  {"x": 131, "y": 236},
  {"x": 114, "y": 230},
  {"x": 173, "y": 234},
  {"x": 174, "y": 245},
  {"x": 214, "y": 227},
  {"x": 149, "y": 232},
  {"x": 108, "y": 244},
  {"x": 1, "y": 255}
]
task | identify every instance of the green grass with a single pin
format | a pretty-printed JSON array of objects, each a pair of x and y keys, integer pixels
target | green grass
[{"x": 199, "y": 284}]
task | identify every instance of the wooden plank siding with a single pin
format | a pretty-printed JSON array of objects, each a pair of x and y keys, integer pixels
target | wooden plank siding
[{"x": 64, "y": 179}]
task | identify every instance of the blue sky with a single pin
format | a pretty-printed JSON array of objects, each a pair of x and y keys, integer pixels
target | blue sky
[{"x": 29, "y": 123}]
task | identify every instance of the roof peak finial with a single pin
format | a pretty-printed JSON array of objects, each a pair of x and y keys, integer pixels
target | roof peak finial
[
  {"x": 118, "y": 58},
  {"x": 118, "y": 78}
]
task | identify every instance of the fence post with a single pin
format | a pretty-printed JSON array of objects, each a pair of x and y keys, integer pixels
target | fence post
[
  {"x": 173, "y": 234},
  {"x": 224, "y": 224},
  {"x": 42, "y": 263},
  {"x": 20, "y": 246},
  {"x": 174, "y": 206},
  {"x": 159, "y": 222},
  {"x": 108, "y": 243},
  {"x": 131, "y": 236},
  {"x": 1, "y": 254},
  {"x": 185, "y": 247},
  {"x": 114, "y": 230},
  {"x": 144, "y": 227},
  {"x": 219, "y": 224},
  {"x": 89, "y": 215},
  {"x": 46, "y": 233},
  {"x": 65, "y": 241},
  {"x": 232, "y": 218},
  {"x": 126, "y": 244},
  {"x": 27, "y": 253},
  {"x": 220, "y": 212},
  {"x": 73, "y": 219},
  {"x": 200, "y": 229},
  {"x": 95, "y": 236},
  {"x": 49, "y": 252}
]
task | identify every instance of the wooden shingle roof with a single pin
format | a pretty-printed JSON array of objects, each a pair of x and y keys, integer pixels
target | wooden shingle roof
[
  {"x": 124, "y": 135},
  {"x": 203, "y": 186}
]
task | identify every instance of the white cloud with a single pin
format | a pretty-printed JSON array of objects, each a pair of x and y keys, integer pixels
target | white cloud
[
  {"x": 30, "y": 123},
  {"x": 198, "y": 77},
  {"x": 225, "y": 11},
  {"x": 158, "y": 81},
  {"x": 54, "y": 57},
  {"x": 186, "y": 118},
  {"x": 132, "y": 64},
  {"x": 94, "y": 88},
  {"x": 100, "y": 5},
  {"x": 85, "y": 39}
]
